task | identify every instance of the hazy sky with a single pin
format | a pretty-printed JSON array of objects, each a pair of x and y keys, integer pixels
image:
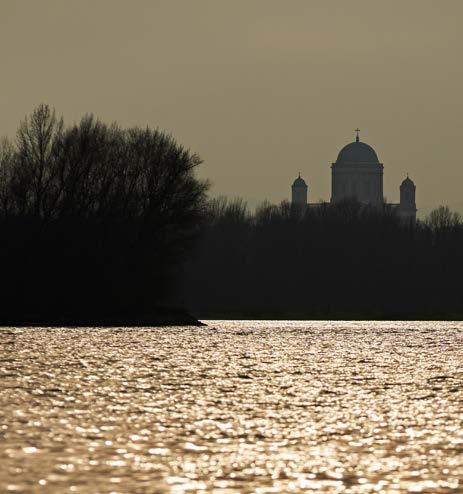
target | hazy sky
[{"x": 259, "y": 88}]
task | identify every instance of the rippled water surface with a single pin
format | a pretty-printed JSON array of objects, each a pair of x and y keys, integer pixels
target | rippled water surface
[{"x": 234, "y": 407}]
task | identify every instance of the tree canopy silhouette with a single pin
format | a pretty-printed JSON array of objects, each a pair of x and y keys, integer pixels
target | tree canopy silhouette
[
  {"x": 94, "y": 218},
  {"x": 344, "y": 260},
  {"x": 97, "y": 221}
]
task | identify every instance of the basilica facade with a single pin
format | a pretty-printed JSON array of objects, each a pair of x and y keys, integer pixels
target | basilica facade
[{"x": 357, "y": 173}]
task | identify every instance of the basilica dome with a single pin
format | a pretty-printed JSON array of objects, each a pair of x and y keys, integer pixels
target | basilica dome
[{"x": 357, "y": 152}]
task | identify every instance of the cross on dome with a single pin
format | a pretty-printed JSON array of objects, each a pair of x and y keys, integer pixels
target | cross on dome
[{"x": 357, "y": 138}]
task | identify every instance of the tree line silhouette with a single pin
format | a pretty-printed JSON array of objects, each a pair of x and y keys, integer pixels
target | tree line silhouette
[
  {"x": 332, "y": 261},
  {"x": 104, "y": 224},
  {"x": 94, "y": 219}
]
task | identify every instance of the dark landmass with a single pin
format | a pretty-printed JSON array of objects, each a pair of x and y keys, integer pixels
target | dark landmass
[
  {"x": 341, "y": 261},
  {"x": 271, "y": 316},
  {"x": 159, "y": 317},
  {"x": 95, "y": 221},
  {"x": 104, "y": 226}
]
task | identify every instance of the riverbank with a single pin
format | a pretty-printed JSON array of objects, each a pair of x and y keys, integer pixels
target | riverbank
[
  {"x": 331, "y": 316},
  {"x": 159, "y": 317}
]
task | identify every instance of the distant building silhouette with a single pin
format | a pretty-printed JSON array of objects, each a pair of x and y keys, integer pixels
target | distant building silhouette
[
  {"x": 357, "y": 173},
  {"x": 407, "y": 205},
  {"x": 299, "y": 191}
]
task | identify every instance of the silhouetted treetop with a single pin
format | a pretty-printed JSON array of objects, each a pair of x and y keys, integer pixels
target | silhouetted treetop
[
  {"x": 93, "y": 169},
  {"x": 104, "y": 211},
  {"x": 327, "y": 261}
]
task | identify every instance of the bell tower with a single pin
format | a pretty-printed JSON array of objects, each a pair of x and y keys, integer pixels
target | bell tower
[
  {"x": 299, "y": 192},
  {"x": 407, "y": 206}
]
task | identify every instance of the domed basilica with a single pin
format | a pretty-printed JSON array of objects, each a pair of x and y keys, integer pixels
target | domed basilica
[{"x": 357, "y": 173}]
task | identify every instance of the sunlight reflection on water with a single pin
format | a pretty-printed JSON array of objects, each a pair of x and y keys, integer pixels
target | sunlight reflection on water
[{"x": 244, "y": 406}]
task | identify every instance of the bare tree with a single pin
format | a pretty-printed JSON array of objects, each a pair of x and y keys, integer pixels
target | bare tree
[
  {"x": 105, "y": 213},
  {"x": 7, "y": 161},
  {"x": 443, "y": 218},
  {"x": 39, "y": 140}
]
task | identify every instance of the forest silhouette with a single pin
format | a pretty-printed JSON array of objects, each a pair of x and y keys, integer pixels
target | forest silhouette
[
  {"x": 95, "y": 220},
  {"x": 104, "y": 225},
  {"x": 343, "y": 260}
]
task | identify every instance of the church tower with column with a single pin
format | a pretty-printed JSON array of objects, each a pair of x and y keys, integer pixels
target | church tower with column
[
  {"x": 407, "y": 205},
  {"x": 299, "y": 191}
]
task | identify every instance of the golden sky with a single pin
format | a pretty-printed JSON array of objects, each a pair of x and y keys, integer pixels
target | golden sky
[{"x": 261, "y": 89}]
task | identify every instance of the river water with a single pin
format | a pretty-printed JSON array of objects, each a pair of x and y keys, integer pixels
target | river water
[{"x": 234, "y": 407}]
